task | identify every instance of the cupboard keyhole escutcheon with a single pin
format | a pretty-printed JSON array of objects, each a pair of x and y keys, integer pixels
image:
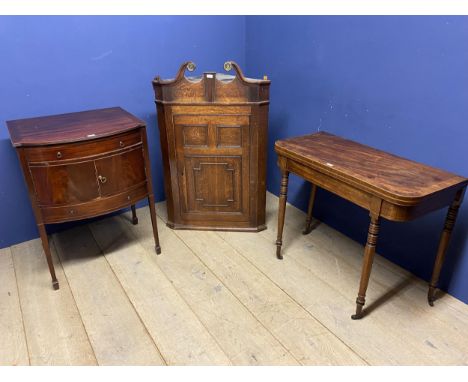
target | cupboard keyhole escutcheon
[{"x": 102, "y": 179}]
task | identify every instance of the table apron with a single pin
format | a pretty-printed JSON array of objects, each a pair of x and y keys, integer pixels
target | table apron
[{"x": 365, "y": 199}]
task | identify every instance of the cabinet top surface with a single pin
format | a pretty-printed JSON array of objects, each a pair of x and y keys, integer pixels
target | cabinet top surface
[
  {"x": 71, "y": 127},
  {"x": 377, "y": 171}
]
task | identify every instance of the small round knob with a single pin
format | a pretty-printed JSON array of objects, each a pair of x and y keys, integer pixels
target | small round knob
[
  {"x": 102, "y": 179},
  {"x": 72, "y": 212},
  {"x": 191, "y": 66},
  {"x": 128, "y": 197},
  {"x": 121, "y": 144},
  {"x": 59, "y": 154},
  {"x": 227, "y": 66}
]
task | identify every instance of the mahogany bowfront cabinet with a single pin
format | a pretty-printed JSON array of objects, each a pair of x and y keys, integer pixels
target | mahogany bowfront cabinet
[
  {"x": 81, "y": 165},
  {"x": 213, "y": 131}
]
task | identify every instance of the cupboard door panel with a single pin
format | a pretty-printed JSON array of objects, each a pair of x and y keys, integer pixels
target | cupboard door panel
[
  {"x": 213, "y": 185},
  {"x": 213, "y": 157},
  {"x": 212, "y": 134},
  {"x": 65, "y": 184},
  {"x": 119, "y": 172}
]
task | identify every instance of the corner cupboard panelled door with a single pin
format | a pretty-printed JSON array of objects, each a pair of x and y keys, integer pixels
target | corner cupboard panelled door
[{"x": 213, "y": 131}]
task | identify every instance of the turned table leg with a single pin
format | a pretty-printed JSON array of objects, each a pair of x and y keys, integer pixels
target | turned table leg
[
  {"x": 154, "y": 223},
  {"x": 443, "y": 245},
  {"x": 281, "y": 211},
  {"x": 308, "y": 225},
  {"x": 45, "y": 245},
  {"x": 134, "y": 215},
  {"x": 369, "y": 253}
]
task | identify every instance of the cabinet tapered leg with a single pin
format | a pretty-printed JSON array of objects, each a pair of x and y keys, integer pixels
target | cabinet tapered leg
[
  {"x": 443, "y": 245},
  {"x": 45, "y": 245},
  {"x": 281, "y": 212},
  {"x": 369, "y": 252},
  {"x": 308, "y": 225},
  {"x": 134, "y": 215},
  {"x": 154, "y": 223}
]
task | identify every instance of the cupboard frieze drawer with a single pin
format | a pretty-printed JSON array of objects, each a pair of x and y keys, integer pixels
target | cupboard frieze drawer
[{"x": 79, "y": 150}]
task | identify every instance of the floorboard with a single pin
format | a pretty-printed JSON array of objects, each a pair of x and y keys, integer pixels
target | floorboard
[
  {"x": 384, "y": 271},
  {"x": 54, "y": 331},
  {"x": 241, "y": 336},
  {"x": 217, "y": 298},
  {"x": 391, "y": 293},
  {"x": 308, "y": 340},
  {"x": 116, "y": 332},
  {"x": 13, "y": 346},
  {"x": 180, "y": 336}
]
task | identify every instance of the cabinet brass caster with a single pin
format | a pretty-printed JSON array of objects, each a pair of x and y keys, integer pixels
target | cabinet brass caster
[{"x": 278, "y": 253}]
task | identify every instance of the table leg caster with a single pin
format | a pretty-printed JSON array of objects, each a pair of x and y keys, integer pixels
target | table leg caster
[
  {"x": 431, "y": 295},
  {"x": 307, "y": 230},
  {"x": 158, "y": 249},
  {"x": 55, "y": 285},
  {"x": 278, "y": 251},
  {"x": 134, "y": 216},
  {"x": 358, "y": 314}
]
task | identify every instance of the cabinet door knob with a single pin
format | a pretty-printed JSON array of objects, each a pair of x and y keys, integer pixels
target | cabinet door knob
[
  {"x": 121, "y": 144},
  {"x": 59, "y": 154},
  {"x": 102, "y": 179}
]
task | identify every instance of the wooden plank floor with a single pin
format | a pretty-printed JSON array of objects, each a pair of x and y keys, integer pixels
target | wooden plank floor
[{"x": 216, "y": 298}]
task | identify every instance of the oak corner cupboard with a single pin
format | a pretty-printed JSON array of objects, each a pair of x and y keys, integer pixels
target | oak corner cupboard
[
  {"x": 213, "y": 132},
  {"x": 81, "y": 165}
]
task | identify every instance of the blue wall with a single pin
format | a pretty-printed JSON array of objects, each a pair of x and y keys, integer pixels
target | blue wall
[
  {"x": 396, "y": 83},
  {"x": 55, "y": 65}
]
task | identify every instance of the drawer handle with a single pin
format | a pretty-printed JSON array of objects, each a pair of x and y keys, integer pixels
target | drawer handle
[
  {"x": 59, "y": 154},
  {"x": 121, "y": 144},
  {"x": 102, "y": 179},
  {"x": 72, "y": 212}
]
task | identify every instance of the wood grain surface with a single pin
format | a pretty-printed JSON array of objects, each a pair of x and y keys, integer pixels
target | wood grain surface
[
  {"x": 71, "y": 127},
  {"x": 213, "y": 133},
  {"x": 218, "y": 298},
  {"x": 382, "y": 173}
]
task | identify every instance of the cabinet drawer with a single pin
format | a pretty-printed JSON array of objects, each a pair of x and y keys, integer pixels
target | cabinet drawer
[
  {"x": 85, "y": 149},
  {"x": 94, "y": 207}
]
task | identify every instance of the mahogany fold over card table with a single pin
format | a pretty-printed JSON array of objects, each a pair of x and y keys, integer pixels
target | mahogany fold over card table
[
  {"x": 81, "y": 165},
  {"x": 386, "y": 185}
]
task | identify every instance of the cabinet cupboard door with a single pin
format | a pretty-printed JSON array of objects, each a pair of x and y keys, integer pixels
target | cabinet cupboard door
[
  {"x": 64, "y": 184},
  {"x": 216, "y": 183},
  {"x": 212, "y": 160},
  {"x": 119, "y": 172}
]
